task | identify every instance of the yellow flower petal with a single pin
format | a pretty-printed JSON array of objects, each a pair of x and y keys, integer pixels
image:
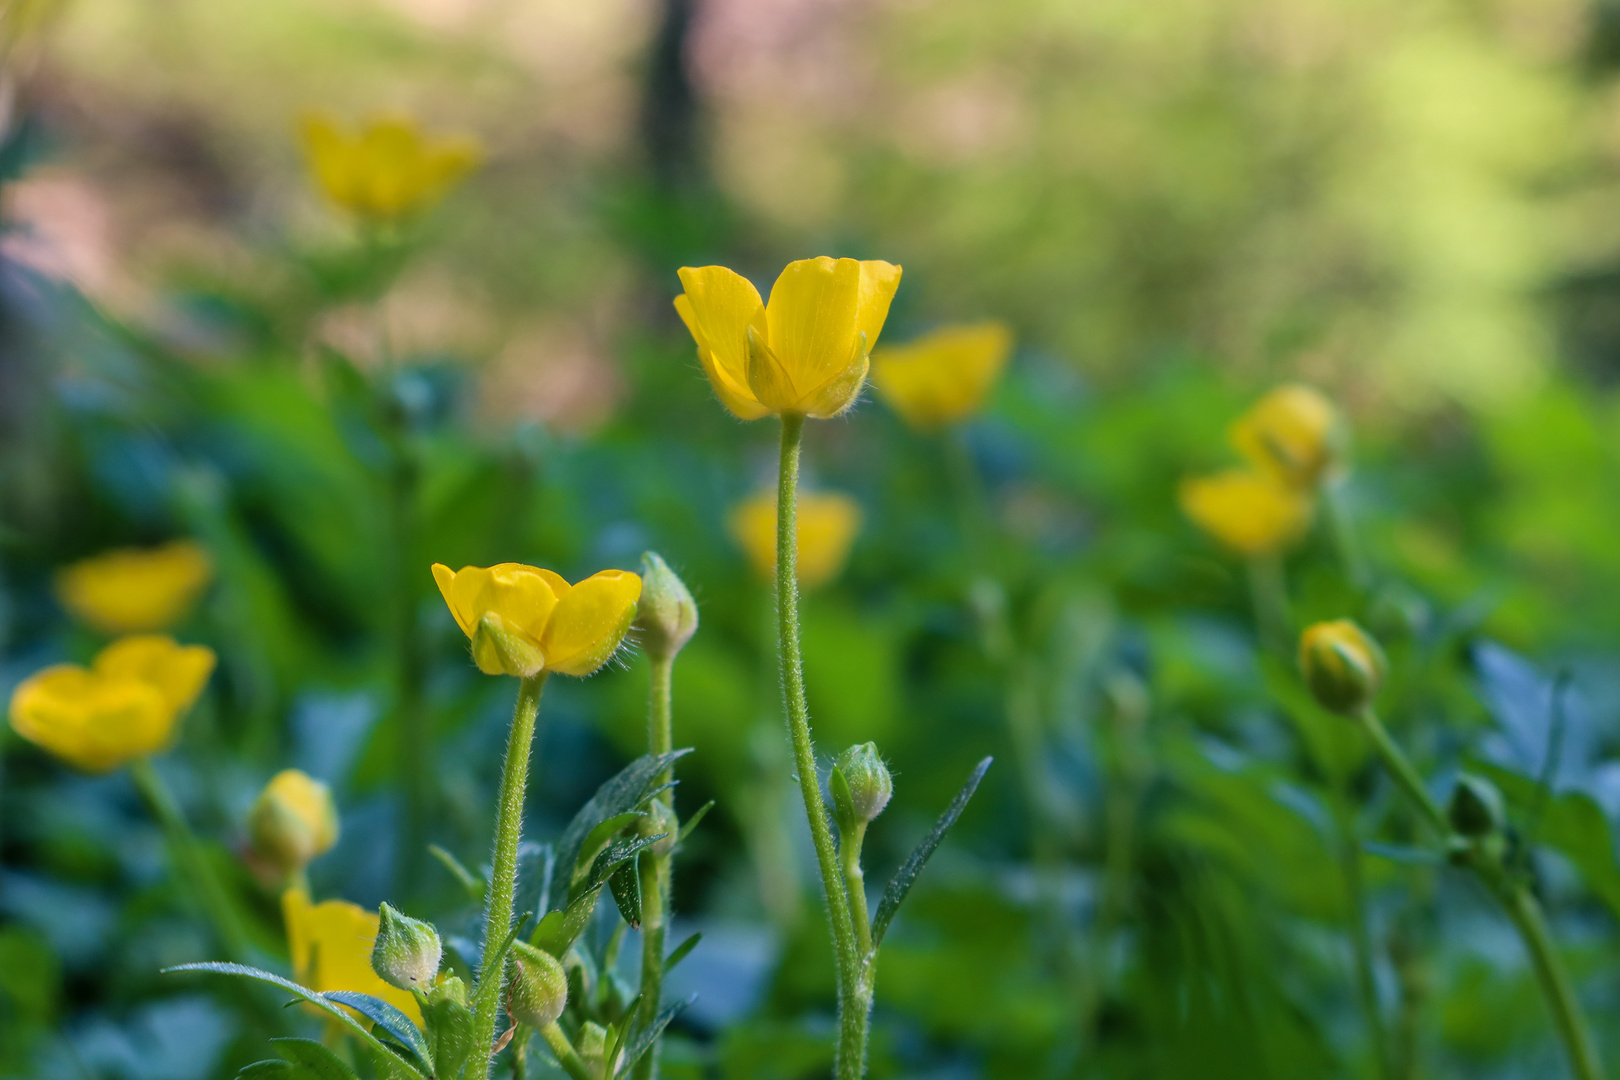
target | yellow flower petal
[
  {"x": 178, "y": 671},
  {"x": 388, "y": 168},
  {"x": 839, "y": 394},
  {"x": 331, "y": 946},
  {"x": 132, "y": 590},
  {"x": 91, "y": 722},
  {"x": 523, "y": 596},
  {"x": 943, "y": 377},
  {"x": 590, "y": 622},
  {"x": 1294, "y": 432},
  {"x": 811, "y": 321},
  {"x": 879, "y": 280},
  {"x": 1252, "y": 513},
  {"x": 718, "y": 307},
  {"x": 827, "y": 524}
]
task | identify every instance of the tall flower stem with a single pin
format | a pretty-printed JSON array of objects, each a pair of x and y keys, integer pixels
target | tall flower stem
[
  {"x": 852, "y": 1013},
  {"x": 503, "y": 879},
  {"x": 189, "y": 860},
  {"x": 656, "y": 869}
]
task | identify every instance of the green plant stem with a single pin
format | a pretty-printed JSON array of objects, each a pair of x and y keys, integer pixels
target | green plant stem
[
  {"x": 1406, "y": 777},
  {"x": 567, "y": 1056},
  {"x": 1269, "y": 590},
  {"x": 852, "y": 1011},
  {"x": 849, "y": 849},
  {"x": 503, "y": 878},
  {"x": 656, "y": 870},
  {"x": 1356, "y": 916},
  {"x": 189, "y": 860}
]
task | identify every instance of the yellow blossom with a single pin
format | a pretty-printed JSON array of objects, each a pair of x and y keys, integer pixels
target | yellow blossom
[
  {"x": 806, "y": 352},
  {"x": 944, "y": 377},
  {"x": 1294, "y": 433},
  {"x": 124, "y": 706},
  {"x": 826, "y": 526},
  {"x": 386, "y": 169},
  {"x": 523, "y": 620},
  {"x": 331, "y": 946},
  {"x": 1250, "y": 512},
  {"x": 293, "y": 820},
  {"x": 135, "y": 590}
]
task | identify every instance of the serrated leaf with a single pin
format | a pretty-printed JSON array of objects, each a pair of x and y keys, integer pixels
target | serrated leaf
[
  {"x": 314, "y": 1061},
  {"x": 450, "y": 1035},
  {"x": 379, "y": 1050},
  {"x": 644, "y": 1039},
  {"x": 387, "y": 1017},
  {"x": 625, "y": 885},
  {"x": 680, "y": 951},
  {"x": 906, "y": 876},
  {"x": 624, "y": 792},
  {"x": 691, "y": 823},
  {"x": 474, "y": 885}
]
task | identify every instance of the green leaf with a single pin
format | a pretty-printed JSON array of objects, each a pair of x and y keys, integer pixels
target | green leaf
[
  {"x": 644, "y": 1039},
  {"x": 272, "y": 1070},
  {"x": 615, "y": 855},
  {"x": 474, "y": 885},
  {"x": 691, "y": 823},
  {"x": 450, "y": 1033},
  {"x": 681, "y": 950},
  {"x": 380, "y": 1051},
  {"x": 598, "y": 839},
  {"x": 906, "y": 876},
  {"x": 1573, "y": 825},
  {"x": 626, "y": 887},
  {"x": 624, "y": 792},
  {"x": 314, "y": 1061},
  {"x": 387, "y": 1017},
  {"x": 560, "y": 929}
]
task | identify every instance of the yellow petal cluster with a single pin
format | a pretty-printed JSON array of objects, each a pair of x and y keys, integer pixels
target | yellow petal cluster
[
  {"x": 826, "y": 525},
  {"x": 293, "y": 821},
  {"x": 522, "y": 620},
  {"x": 943, "y": 377},
  {"x": 124, "y": 706},
  {"x": 806, "y": 352},
  {"x": 136, "y": 590},
  {"x": 331, "y": 946},
  {"x": 1294, "y": 433},
  {"x": 386, "y": 169},
  {"x": 1250, "y": 512}
]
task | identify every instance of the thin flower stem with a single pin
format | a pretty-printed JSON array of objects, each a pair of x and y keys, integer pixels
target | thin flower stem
[
  {"x": 567, "y": 1056},
  {"x": 849, "y": 849},
  {"x": 1406, "y": 777},
  {"x": 852, "y": 1011},
  {"x": 189, "y": 860},
  {"x": 656, "y": 870},
  {"x": 503, "y": 879}
]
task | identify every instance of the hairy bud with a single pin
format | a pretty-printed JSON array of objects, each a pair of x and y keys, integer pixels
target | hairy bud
[
  {"x": 1476, "y": 807},
  {"x": 667, "y": 616},
  {"x": 407, "y": 951},
  {"x": 870, "y": 785},
  {"x": 539, "y": 986}
]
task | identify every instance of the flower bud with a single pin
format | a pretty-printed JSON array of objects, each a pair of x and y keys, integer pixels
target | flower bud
[
  {"x": 292, "y": 821},
  {"x": 1293, "y": 432},
  {"x": 449, "y": 988},
  {"x": 659, "y": 820},
  {"x": 870, "y": 785},
  {"x": 407, "y": 951},
  {"x": 1343, "y": 667},
  {"x": 539, "y": 986},
  {"x": 1476, "y": 807},
  {"x": 667, "y": 616}
]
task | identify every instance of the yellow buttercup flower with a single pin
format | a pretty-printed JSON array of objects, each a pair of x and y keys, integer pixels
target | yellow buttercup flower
[
  {"x": 293, "y": 820},
  {"x": 826, "y": 525},
  {"x": 331, "y": 946},
  {"x": 124, "y": 706},
  {"x": 1250, "y": 512},
  {"x": 136, "y": 590},
  {"x": 805, "y": 352},
  {"x": 387, "y": 169},
  {"x": 1294, "y": 433},
  {"x": 943, "y": 377},
  {"x": 523, "y": 620}
]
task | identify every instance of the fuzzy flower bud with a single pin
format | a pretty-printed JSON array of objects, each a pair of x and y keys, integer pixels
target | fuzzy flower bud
[
  {"x": 1476, "y": 807},
  {"x": 292, "y": 821},
  {"x": 539, "y": 987},
  {"x": 1343, "y": 667},
  {"x": 667, "y": 616},
  {"x": 407, "y": 951},
  {"x": 870, "y": 785}
]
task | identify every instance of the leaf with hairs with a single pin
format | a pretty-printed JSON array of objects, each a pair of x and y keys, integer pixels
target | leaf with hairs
[{"x": 906, "y": 876}]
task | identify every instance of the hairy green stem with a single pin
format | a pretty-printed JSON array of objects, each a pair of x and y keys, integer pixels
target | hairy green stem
[
  {"x": 567, "y": 1056},
  {"x": 503, "y": 878},
  {"x": 852, "y": 1010},
  {"x": 656, "y": 869},
  {"x": 189, "y": 860}
]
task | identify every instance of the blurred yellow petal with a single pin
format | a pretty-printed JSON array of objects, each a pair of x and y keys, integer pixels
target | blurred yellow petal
[
  {"x": 1294, "y": 432},
  {"x": 178, "y": 671},
  {"x": 590, "y": 622},
  {"x": 132, "y": 590},
  {"x": 827, "y": 524},
  {"x": 943, "y": 377},
  {"x": 331, "y": 945},
  {"x": 718, "y": 307},
  {"x": 293, "y": 821},
  {"x": 388, "y": 168},
  {"x": 811, "y": 321},
  {"x": 93, "y": 723},
  {"x": 1251, "y": 513}
]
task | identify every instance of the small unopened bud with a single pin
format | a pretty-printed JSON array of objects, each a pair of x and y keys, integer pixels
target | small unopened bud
[
  {"x": 659, "y": 820},
  {"x": 1343, "y": 667},
  {"x": 407, "y": 951},
  {"x": 292, "y": 821},
  {"x": 539, "y": 986},
  {"x": 1476, "y": 807},
  {"x": 593, "y": 1047},
  {"x": 666, "y": 615},
  {"x": 449, "y": 988},
  {"x": 870, "y": 785}
]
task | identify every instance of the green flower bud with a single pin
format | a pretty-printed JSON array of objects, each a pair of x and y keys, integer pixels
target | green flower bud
[
  {"x": 666, "y": 616},
  {"x": 449, "y": 988},
  {"x": 538, "y": 992},
  {"x": 870, "y": 785},
  {"x": 659, "y": 820},
  {"x": 407, "y": 951},
  {"x": 1476, "y": 807},
  {"x": 1342, "y": 665}
]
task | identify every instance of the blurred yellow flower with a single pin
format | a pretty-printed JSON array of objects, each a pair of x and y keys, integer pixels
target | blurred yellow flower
[
  {"x": 124, "y": 706},
  {"x": 331, "y": 945},
  {"x": 1250, "y": 512},
  {"x": 388, "y": 168},
  {"x": 826, "y": 526},
  {"x": 945, "y": 376},
  {"x": 1294, "y": 433},
  {"x": 807, "y": 351},
  {"x": 293, "y": 820},
  {"x": 135, "y": 590},
  {"x": 1342, "y": 664},
  {"x": 523, "y": 620}
]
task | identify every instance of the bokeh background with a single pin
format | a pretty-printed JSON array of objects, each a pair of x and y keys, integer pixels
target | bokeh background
[{"x": 1413, "y": 206}]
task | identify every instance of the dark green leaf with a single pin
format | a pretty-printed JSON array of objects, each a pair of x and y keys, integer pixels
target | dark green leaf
[
  {"x": 272, "y": 1070},
  {"x": 906, "y": 876},
  {"x": 612, "y": 857},
  {"x": 681, "y": 950},
  {"x": 626, "y": 886},
  {"x": 387, "y": 1017},
  {"x": 626, "y": 791},
  {"x": 560, "y": 929}
]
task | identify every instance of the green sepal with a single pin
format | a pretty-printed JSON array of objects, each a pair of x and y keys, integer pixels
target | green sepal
[
  {"x": 449, "y": 1032},
  {"x": 843, "y": 803}
]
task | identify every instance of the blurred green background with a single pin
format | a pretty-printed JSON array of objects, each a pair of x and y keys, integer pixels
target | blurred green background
[{"x": 1414, "y": 206}]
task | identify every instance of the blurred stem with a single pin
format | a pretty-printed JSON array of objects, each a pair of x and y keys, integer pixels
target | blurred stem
[
  {"x": 567, "y": 1057},
  {"x": 189, "y": 860},
  {"x": 1356, "y": 915},
  {"x": 1342, "y": 524},
  {"x": 1269, "y": 589},
  {"x": 852, "y": 1010},
  {"x": 656, "y": 870},
  {"x": 970, "y": 496},
  {"x": 1400, "y": 769},
  {"x": 503, "y": 877},
  {"x": 415, "y": 738}
]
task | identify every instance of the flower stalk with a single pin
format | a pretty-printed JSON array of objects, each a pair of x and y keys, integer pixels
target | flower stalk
[{"x": 656, "y": 863}]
